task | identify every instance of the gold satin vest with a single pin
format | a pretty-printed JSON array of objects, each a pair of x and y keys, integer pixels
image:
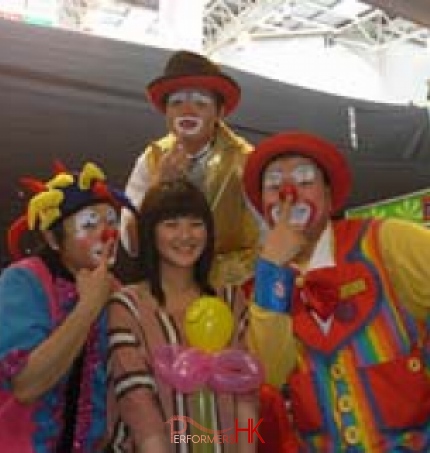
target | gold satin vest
[{"x": 236, "y": 228}]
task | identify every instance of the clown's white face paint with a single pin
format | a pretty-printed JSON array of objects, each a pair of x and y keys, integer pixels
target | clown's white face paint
[
  {"x": 200, "y": 98},
  {"x": 302, "y": 181},
  {"x": 187, "y": 125},
  {"x": 301, "y": 175},
  {"x": 192, "y": 115},
  {"x": 275, "y": 179},
  {"x": 91, "y": 226},
  {"x": 300, "y": 214}
]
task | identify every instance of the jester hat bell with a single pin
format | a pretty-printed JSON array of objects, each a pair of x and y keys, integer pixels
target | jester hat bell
[
  {"x": 323, "y": 153},
  {"x": 63, "y": 195},
  {"x": 187, "y": 69}
]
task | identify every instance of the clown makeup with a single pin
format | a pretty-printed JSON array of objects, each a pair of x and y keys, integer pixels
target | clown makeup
[
  {"x": 276, "y": 182},
  {"x": 192, "y": 115},
  {"x": 94, "y": 228},
  {"x": 273, "y": 179},
  {"x": 187, "y": 125},
  {"x": 190, "y": 124},
  {"x": 198, "y": 97},
  {"x": 302, "y": 175},
  {"x": 300, "y": 215}
]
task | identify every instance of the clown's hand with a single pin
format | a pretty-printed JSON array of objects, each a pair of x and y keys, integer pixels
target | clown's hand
[
  {"x": 96, "y": 285},
  {"x": 284, "y": 241},
  {"x": 174, "y": 164},
  {"x": 274, "y": 279}
]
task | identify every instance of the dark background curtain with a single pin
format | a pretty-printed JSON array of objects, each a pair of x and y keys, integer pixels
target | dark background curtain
[{"x": 80, "y": 98}]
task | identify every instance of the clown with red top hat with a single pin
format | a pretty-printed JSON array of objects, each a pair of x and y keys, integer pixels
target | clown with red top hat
[
  {"x": 53, "y": 340},
  {"x": 187, "y": 70},
  {"x": 195, "y": 96},
  {"x": 340, "y": 312}
]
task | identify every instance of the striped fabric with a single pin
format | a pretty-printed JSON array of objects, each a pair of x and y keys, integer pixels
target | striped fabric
[
  {"x": 371, "y": 392},
  {"x": 140, "y": 406}
]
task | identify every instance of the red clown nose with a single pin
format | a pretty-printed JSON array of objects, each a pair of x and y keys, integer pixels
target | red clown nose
[
  {"x": 109, "y": 233},
  {"x": 288, "y": 190}
]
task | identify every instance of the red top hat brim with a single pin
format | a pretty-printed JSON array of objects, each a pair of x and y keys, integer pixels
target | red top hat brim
[
  {"x": 222, "y": 85},
  {"x": 323, "y": 153}
]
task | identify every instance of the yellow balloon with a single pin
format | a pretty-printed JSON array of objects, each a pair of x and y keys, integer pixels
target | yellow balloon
[{"x": 209, "y": 324}]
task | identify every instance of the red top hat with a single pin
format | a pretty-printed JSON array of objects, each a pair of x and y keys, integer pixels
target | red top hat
[
  {"x": 190, "y": 70},
  {"x": 323, "y": 153}
]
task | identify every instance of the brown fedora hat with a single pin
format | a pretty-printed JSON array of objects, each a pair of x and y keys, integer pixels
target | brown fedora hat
[{"x": 187, "y": 69}]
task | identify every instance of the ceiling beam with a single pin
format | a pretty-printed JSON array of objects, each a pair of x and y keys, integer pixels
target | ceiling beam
[
  {"x": 417, "y": 11},
  {"x": 235, "y": 22}
]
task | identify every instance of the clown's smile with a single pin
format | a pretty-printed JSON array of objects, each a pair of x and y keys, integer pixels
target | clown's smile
[{"x": 188, "y": 125}]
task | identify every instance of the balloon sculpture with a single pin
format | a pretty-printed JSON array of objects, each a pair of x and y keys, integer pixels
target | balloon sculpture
[{"x": 206, "y": 366}]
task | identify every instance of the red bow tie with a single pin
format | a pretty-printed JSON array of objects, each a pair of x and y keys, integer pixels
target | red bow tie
[{"x": 319, "y": 290}]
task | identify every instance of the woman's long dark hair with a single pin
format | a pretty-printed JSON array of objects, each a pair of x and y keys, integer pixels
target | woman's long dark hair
[{"x": 169, "y": 200}]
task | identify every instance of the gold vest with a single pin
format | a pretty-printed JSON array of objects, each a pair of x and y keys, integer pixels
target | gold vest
[{"x": 236, "y": 228}]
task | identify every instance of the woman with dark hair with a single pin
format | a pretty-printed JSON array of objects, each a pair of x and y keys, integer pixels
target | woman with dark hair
[
  {"x": 176, "y": 237},
  {"x": 172, "y": 201}
]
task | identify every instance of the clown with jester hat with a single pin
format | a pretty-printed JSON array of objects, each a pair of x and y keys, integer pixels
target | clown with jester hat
[{"x": 53, "y": 339}]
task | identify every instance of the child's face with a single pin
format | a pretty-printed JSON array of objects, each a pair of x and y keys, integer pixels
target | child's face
[
  {"x": 87, "y": 233},
  {"x": 181, "y": 240}
]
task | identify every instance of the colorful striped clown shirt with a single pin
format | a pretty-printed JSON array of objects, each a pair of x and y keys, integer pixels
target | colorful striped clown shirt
[{"x": 359, "y": 379}]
